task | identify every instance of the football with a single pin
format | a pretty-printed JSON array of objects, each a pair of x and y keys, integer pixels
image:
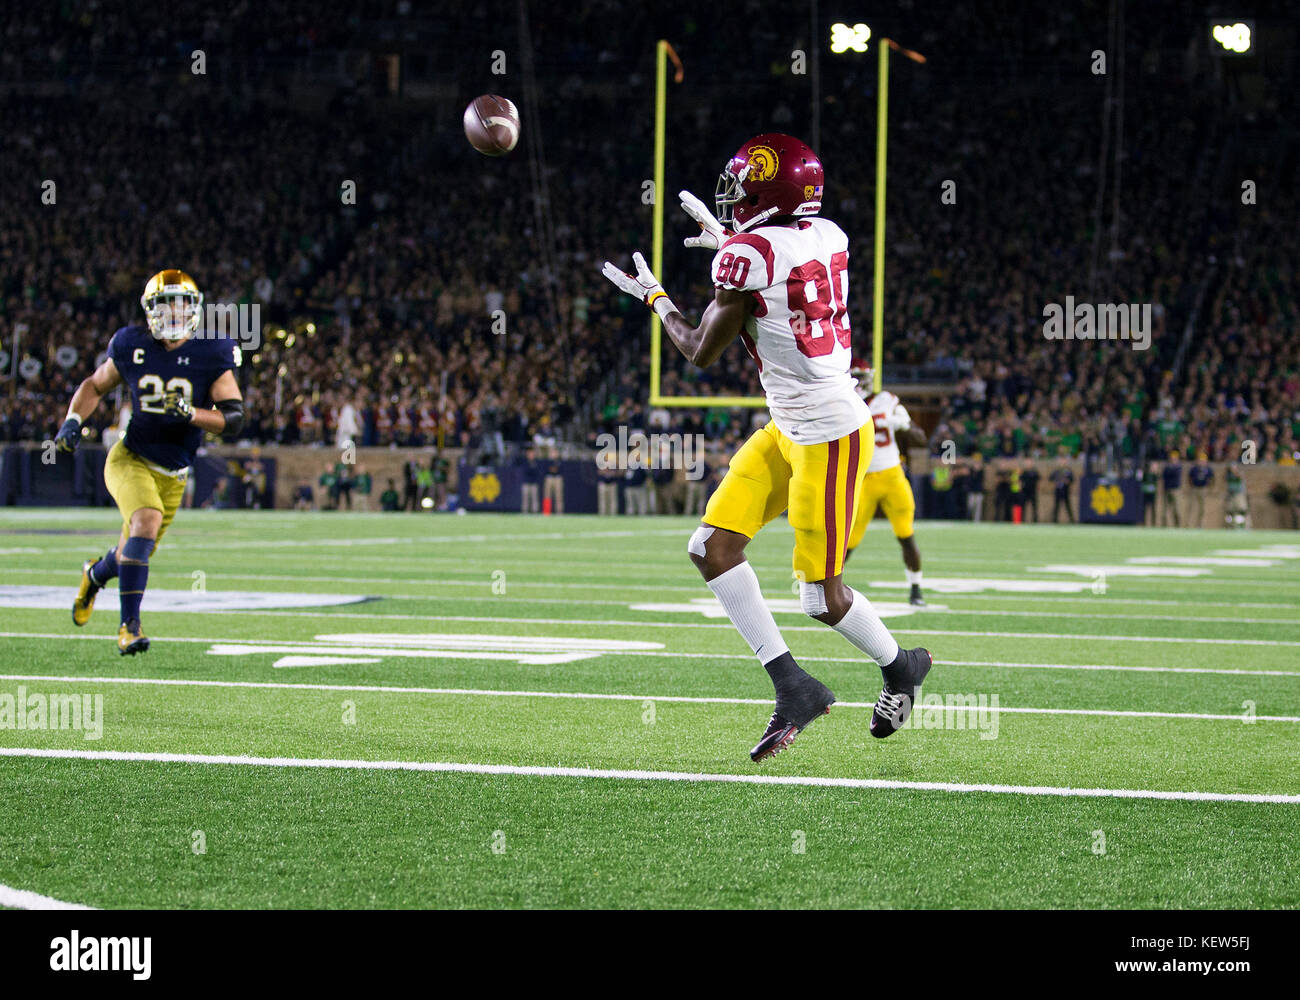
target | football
[{"x": 492, "y": 125}]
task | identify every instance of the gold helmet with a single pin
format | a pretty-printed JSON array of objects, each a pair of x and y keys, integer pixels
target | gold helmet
[{"x": 159, "y": 293}]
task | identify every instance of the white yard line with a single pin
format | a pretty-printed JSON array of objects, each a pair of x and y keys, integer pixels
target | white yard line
[
  {"x": 618, "y": 623},
  {"x": 624, "y": 603},
  {"x": 1291, "y": 622},
  {"x": 483, "y": 585},
  {"x": 411, "y": 540},
  {"x": 1104, "y": 666},
  {"x": 626, "y": 775},
  {"x": 605, "y": 696},
  {"x": 320, "y": 646},
  {"x": 1080, "y": 598},
  {"x": 61, "y": 576},
  {"x": 1087, "y": 598},
  {"x": 21, "y": 899}
]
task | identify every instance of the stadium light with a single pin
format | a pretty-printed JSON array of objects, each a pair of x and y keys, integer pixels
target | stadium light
[
  {"x": 1236, "y": 38},
  {"x": 846, "y": 39}
]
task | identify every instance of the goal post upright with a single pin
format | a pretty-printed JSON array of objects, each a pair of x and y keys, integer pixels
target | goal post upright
[
  {"x": 882, "y": 138},
  {"x": 657, "y": 210},
  {"x": 663, "y": 52},
  {"x": 878, "y": 300}
]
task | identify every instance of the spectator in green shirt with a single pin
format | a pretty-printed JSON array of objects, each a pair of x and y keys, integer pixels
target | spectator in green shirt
[
  {"x": 1236, "y": 512},
  {"x": 1150, "y": 483},
  {"x": 329, "y": 487},
  {"x": 390, "y": 501},
  {"x": 363, "y": 484},
  {"x": 440, "y": 469},
  {"x": 343, "y": 483}
]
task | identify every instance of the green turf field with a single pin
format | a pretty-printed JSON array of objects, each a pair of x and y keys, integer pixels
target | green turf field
[{"x": 536, "y": 711}]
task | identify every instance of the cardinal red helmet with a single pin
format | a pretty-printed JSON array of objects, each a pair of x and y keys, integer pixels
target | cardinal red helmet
[
  {"x": 771, "y": 175},
  {"x": 864, "y": 375}
]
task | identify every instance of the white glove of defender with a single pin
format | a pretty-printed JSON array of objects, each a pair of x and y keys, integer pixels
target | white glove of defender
[
  {"x": 645, "y": 286},
  {"x": 713, "y": 235}
]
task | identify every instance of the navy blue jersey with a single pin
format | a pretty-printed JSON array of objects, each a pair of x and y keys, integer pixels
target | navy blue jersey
[{"x": 149, "y": 370}]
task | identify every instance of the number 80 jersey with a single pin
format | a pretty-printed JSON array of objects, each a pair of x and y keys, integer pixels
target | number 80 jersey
[
  {"x": 799, "y": 329},
  {"x": 149, "y": 371}
]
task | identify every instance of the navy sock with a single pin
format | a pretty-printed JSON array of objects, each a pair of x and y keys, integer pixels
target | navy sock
[
  {"x": 105, "y": 569},
  {"x": 133, "y": 575}
]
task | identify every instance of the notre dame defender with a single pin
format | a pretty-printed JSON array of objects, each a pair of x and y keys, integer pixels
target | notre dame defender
[{"x": 180, "y": 387}]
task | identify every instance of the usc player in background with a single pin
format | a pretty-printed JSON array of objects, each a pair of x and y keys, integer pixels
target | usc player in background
[
  {"x": 180, "y": 387},
  {"x": 781, "y": 279},
  {"x": 886, "y": 485}
]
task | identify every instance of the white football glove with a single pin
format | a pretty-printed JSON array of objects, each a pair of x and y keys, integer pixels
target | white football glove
[
  {"x": 644, "y": 285},
  {"x": 899, "y": 419},
  {"x": 713, "y": 235}
]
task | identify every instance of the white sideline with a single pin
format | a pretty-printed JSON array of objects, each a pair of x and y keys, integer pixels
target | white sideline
[
  {"x": 326, "y": 648},
  {"x": 611, "y": 696},
  {"x": 21, "y": 899},
  {"x": 627, "y": 775}
]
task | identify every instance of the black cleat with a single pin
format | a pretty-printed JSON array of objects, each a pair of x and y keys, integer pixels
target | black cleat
[
  {"x": 798, "y": 707},
  {"x": 903, "y": 680},
  {"x": 780, "y": 734},
  {"x": 916, "y": 600}
]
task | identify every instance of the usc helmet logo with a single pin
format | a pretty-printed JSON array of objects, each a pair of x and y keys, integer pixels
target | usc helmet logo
[{"x": 763, "y": 163}]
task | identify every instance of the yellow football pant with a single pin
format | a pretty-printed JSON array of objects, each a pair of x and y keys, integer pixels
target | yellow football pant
[
  {"x": 133, "y": 483},
  {"x": 817, "y": 482},
  {"x": 889, "y": 490}
]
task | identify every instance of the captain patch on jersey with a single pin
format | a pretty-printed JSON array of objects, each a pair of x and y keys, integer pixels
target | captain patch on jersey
[{"x": 150, "y": 371}]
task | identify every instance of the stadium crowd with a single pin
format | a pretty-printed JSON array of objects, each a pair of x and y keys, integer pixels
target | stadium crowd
[{"x": 432, "y": 307}]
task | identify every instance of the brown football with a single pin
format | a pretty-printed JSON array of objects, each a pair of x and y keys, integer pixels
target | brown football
[{"x": 492, "y": 125}]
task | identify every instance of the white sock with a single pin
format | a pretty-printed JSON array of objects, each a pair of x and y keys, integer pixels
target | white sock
[
  {"x": 863, "y": 627},
  {"x": 742, "y": 599},
  {"x": 914, "y": 578}
]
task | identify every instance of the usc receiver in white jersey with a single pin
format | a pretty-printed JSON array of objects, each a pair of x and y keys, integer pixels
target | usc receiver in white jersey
[
  {"x": 781, "y": 285},
  {"x": 798, "y": 329}
]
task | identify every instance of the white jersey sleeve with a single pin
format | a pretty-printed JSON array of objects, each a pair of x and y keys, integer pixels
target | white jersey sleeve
[
  {"x": 799, "y": 330},
  {"x": 743, "y": 263},
  {"x": 885, "y": 413}
]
